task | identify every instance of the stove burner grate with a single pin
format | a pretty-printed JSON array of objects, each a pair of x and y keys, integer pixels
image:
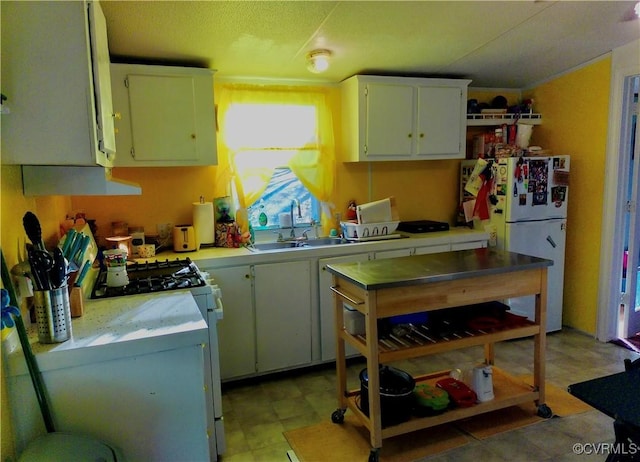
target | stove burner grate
[{"x": 149, "y": 277}]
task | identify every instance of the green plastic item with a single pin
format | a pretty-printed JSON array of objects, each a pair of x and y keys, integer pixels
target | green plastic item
[
  {"x": 32, "y": 364},
  {"x": 431, "y": 397}
]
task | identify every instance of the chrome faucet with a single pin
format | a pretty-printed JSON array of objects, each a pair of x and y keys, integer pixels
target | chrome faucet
[{"x": 294, "y": 202}]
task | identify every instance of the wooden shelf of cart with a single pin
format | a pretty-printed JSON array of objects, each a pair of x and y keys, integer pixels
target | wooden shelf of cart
[
  {"x": 508, "y": 391},
  {"x": 390, "y": 287}
]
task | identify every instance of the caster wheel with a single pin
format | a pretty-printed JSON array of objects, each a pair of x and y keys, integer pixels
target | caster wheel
[
  {"x": 373, "y": 455},
  {"x": 544, "y": 411},
  {"x": 338, "y": 416}
]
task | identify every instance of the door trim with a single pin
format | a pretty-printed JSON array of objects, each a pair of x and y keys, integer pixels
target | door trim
[{"x": 624, "y": 63}]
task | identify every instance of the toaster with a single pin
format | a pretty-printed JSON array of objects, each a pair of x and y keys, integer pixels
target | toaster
[{"x": 184, "y": 238}]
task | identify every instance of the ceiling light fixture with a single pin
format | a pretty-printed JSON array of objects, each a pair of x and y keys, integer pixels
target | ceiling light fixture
[{"x": 318, "y": 61}]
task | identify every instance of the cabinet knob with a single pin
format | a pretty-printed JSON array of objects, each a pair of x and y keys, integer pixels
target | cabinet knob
[
  {"x": 421, "y": 135},
  {"x": 410, "y": 135},
  {"x": 193, "y": 136},
  {"x": 117, "y": 116}
]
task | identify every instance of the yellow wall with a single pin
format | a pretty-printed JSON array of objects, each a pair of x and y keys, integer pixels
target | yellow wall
[
  {"x": 422, "y": 190},
  {"x": 575, "y": 110},
  {"x": 167, "y": 197},
  {"x": 13, "y": 206}
]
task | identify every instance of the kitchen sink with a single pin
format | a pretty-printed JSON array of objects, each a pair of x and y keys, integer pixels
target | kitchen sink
[
  {"x": 318, "y": 242},
  {"x": 274, "y": 245},
  {"x": 324, "y": 241}
]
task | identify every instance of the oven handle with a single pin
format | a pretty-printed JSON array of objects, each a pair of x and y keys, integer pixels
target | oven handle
[{"x": 216, "y": 292}]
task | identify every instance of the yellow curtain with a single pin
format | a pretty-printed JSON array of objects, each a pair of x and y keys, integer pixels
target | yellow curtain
[{"x": 245, "y": 174}]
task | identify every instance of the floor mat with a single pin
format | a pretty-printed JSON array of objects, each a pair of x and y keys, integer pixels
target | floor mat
[
  {"x": 562, "y": 404},
  {"x": 350, "y": 440},
  {"x": 631, "y": 343}
]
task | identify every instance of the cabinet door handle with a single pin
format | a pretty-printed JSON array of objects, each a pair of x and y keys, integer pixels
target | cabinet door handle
[
  {"x": 193, "y": 136},
  {"x": 117, "y": 116},
  {"x": 421, "y": 135},
  {"x": 410, "y": 135}
]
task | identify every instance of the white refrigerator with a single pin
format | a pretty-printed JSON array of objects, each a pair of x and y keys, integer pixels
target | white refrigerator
[{"x": 530, "y": 217}]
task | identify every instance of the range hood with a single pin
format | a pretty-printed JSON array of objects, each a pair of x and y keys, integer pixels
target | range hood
[{"x": 55, "y": 180}]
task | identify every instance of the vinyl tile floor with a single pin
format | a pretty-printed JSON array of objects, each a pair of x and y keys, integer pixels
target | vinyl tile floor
[{"x": 257, "y": 412}]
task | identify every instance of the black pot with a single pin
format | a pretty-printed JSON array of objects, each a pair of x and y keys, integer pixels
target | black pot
[{"x": 396, "y": 395}]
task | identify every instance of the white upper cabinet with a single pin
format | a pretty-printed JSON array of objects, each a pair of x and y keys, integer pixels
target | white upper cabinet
[
  {"x": 55, "y": 75},
  {"x": 165, "y": 115},
  {"x": 403, "y": 118}
]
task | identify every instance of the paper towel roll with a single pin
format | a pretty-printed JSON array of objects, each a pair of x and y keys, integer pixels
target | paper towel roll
[
  {"x": 523, "y": 135},
  {"x": 203, "y": 222}
]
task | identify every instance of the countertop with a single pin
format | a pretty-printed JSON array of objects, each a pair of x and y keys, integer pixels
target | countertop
[
  {"x": 212, "y": 257},
  {"x": 445, "y": 266},
  {"x": 118, "y": 327},
  {"x": 126, "y": 326}
]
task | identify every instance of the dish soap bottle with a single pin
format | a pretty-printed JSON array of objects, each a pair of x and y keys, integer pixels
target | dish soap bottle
[{"x": 262, "y": 217}]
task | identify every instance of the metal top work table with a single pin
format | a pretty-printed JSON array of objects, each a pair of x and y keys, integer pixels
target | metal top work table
[{"x": 397, "y": 286}]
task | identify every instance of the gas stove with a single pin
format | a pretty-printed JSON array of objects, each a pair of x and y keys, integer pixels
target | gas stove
[
  {"x": 160, "y": 276},
  {"x": 148, "y": 277}
]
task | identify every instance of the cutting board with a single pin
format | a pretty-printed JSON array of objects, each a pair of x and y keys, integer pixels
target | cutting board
[{"x": 380, "y": 211}]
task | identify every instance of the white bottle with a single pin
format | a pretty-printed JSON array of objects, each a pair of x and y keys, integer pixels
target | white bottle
[{"x": 483, "y": 382}]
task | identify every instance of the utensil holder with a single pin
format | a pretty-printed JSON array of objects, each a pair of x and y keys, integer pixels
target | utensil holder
[{"x": 53, "y": 315}]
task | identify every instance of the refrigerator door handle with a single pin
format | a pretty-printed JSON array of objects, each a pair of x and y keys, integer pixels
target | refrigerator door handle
[{"x": 552, "y": 242}]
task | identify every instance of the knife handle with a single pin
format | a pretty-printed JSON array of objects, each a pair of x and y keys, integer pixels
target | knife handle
[
  {"x": 67, "y": 241},
  {"x": 83, "y": 273},
  {"x": 84, "y": 246}
]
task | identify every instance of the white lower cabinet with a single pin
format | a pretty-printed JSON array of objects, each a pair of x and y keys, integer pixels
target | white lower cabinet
[
  {"x": 413, "y": 251},
  {"x": 283, "y": 315},
  {"x": 327, "y": 326},
  {"x": 158, "y": 393},
  {"x": 431, "y": 249},
  {"x": 267, "y": 317},
  {"x": 392, "y": 253},
  {"x": 468, "y": 245},
  {"x": 236, "y": 331},
  {"x": 275, "y": 312}
]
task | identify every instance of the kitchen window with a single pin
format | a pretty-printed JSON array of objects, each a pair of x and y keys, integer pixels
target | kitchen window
[
  {"x": 277, "y": 152},
  {"x": 277, "y": 199}
]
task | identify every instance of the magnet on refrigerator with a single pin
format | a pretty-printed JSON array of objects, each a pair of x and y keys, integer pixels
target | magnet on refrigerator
[{"x": 530, "y": 217}]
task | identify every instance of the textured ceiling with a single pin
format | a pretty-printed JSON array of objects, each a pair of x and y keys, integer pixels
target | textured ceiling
[{"x": 505, "y": 44}]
